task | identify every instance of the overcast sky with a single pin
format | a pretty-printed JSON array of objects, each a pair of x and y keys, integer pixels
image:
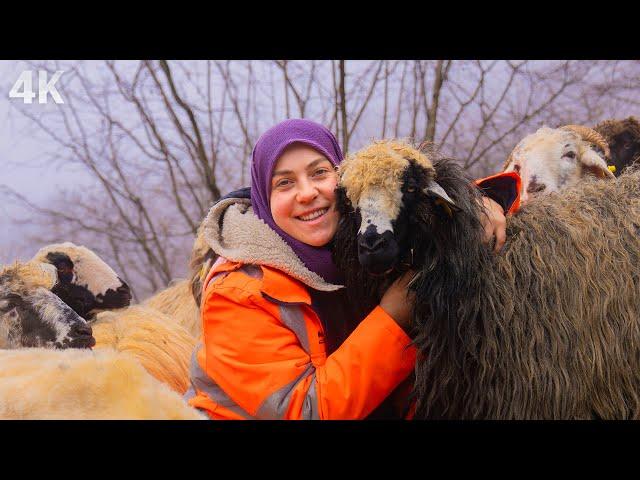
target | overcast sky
[{"x": 22, "y": 154}]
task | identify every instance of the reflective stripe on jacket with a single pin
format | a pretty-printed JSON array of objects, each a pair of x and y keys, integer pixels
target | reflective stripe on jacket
[{"x": 263, "y": 354}]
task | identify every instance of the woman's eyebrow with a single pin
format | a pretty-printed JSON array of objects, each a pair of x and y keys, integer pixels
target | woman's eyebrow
[
  {"x": 311, "y": 165},
  {"x": 317, "y": 161}
]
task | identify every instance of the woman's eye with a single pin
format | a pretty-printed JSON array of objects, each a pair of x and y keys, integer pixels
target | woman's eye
[
  {"x": 282, "y": 183},
  {"x": 320, "y": 171},
  {"x": 571, "y": 155}
]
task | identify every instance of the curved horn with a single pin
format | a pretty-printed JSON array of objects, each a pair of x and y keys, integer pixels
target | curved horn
[
  {"x": 506, "y": 164},
  {"x": 590, "y": 135}
]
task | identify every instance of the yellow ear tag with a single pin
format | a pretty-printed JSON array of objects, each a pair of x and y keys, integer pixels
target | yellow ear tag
[
  {"x": 445, "y": 205},
  {"x": 612, "y": 168}
]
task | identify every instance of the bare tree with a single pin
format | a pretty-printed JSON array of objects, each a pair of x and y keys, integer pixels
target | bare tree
[{"x": 160, "y": 141}]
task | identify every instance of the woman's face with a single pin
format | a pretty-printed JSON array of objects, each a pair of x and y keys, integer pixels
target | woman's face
[{"x": 303, "y": 196}]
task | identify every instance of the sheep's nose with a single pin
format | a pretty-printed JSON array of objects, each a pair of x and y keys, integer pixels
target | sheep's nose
[
  {"x": 372, "y": 243},
  {"x": 534, "y": 186},
  {"x": 81, "y": 329},
  {"x": 124, "y": 291}
]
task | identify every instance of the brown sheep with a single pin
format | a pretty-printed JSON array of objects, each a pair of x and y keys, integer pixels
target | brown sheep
[
  {"x": 547, "y": 329},
  {"x": 623, "y": 137}
]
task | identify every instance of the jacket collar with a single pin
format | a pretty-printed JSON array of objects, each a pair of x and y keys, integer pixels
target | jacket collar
[{"x": 234, "y": 232}]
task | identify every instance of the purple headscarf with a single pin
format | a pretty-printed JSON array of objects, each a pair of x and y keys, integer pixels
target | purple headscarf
[{"x": 265, "y": 154}]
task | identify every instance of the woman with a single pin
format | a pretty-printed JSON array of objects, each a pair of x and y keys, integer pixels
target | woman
[{"x": 279, "y": 338}]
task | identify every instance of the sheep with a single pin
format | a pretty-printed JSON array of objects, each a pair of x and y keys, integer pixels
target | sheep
[
  {"x": 86, "y": 282},
  {"x": 32, "y": 316},
  {"x": 89, "y": 285},
  {"x": 623, "y": 137},
  {"x": 37, "y": 383},
  {"x": 161, "y": 345},
  {"x": 549, "y": 328},
  {"x": 159, "y": 342},
  {"x": 552, "y": 159}
]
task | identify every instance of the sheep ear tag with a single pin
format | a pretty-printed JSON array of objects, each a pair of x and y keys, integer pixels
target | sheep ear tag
[{"x": 442, "y": 199}]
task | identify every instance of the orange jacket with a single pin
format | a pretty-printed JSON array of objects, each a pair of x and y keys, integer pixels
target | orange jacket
[{"x": 264, "y": 355}]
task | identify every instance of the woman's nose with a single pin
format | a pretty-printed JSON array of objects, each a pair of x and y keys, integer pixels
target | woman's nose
[{"x": 307, "y": 192}]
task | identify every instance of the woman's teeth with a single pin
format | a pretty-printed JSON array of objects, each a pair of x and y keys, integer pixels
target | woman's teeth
[{"x": 311, "y": 216}]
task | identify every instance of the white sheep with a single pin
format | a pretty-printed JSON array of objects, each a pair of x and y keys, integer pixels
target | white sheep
[
  {"x": 162, "y": 346},
  {"x": 553, "y": 159},
  {"x": 38, "y": 383}
]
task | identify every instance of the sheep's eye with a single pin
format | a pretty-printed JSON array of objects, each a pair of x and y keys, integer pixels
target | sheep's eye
[
  {"x": 571, "y": 155},
  {"x": 9, "y": 301},
  {"x": 411, "y": 189},
  {"x": 627, "y": 146}
]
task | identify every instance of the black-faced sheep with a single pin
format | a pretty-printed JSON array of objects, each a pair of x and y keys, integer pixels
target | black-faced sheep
[
  {"x": 547, "y": 329},
  {"x": 553, "y": 159},
  {"x": 32, "y": 316},
  {"x": 89, "y": 285},
  {"x": 42, "y": 384},
  {"x": 623, "y": 137},
  {"x": 86, "y": 282}
]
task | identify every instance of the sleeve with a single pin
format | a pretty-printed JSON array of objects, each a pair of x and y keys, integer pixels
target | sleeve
[
  {"x": 504, "y": 188},
  {"x": 261, "y": 365}
]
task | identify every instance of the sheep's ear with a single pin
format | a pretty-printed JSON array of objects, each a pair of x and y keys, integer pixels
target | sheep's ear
[
  {"x": 595, "y": 164},
  {"x": 442, "y": 199}
]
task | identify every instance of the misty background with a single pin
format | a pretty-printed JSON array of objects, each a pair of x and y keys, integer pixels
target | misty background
[{"x": 131, "y": 162}]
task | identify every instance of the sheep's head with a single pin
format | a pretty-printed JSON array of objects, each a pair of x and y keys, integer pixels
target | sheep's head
[
  {"x": 379, "y": 185},
  {"x": 553, "y": 159},
  {"x": 623, "y": 137},
  {"x": 32, "y": 316},
  {"x": 86, "y": 282}
]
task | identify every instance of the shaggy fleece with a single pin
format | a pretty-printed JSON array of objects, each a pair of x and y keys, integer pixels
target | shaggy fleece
[
  {"x": 234, "y": 232},
  {"x": 37, "y": 383},
  {"x": 177, "y": 302},
  {"x": 549, "y": 328},
  {"x": 161, "y": 346}
]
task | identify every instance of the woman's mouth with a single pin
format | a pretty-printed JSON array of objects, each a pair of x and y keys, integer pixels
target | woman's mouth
[{"x": 313, "y": 215}]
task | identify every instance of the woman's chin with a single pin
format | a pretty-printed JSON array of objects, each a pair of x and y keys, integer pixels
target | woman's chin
[
  {"x": 318, "y": 237},
  {"x": 316, "y": 241}
]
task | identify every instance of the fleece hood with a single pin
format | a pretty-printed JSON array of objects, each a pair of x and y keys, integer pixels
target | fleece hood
[{"x": 234, "y": 232}]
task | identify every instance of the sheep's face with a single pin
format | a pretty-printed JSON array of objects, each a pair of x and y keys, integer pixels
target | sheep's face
[
  {"x": 551, "y": 160},
  {"x": 32, "y": 316},
  {"x": 625, "y": 150},
  {"x": 86, "y": 282},
  {"x": 382, "y": 183}
]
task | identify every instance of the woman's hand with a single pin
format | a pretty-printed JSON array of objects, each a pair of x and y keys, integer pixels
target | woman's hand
[
  {"x": 494, "y": 223},
  {"x": 398, "y": 301}
]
